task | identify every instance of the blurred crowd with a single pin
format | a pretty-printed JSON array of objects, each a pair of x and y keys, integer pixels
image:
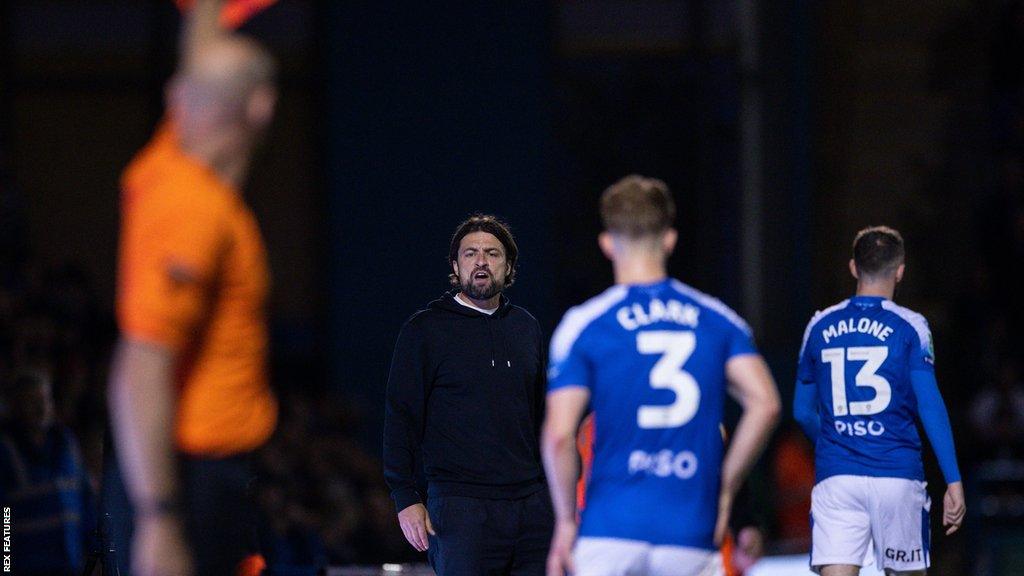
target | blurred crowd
[
  {"x": 990, "y": 354},
  {"x": 54, "y": 346},
  {"x": 321, "y": 495},
  {"x": 993, "y": 308}
]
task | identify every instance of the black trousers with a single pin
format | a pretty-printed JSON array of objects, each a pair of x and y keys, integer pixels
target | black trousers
[
  {"x": 481, "y": 537},
  {"x": 219, "y": 514}
]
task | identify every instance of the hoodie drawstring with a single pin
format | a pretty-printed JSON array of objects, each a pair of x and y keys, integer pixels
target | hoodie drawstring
[
  {"x": 490, "y": 329},
  {"x": 504, "y": 348},
  {"x": 504, "y": 344}
]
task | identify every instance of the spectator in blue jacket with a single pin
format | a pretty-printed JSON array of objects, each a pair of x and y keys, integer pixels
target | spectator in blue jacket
[{"x": 43, "y": 481}]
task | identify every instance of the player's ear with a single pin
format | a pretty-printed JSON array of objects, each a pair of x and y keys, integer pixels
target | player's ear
[
  {"x": 899, "y": 273},
  {"x": 607, "y": 243},
  {"x": 260, "y": 107},
  {"x": 174, "y": 95},
  {"x": 853, "y": 269},
  {"x": 455, "y": 267},
  {"x": 668, "y": 240}
]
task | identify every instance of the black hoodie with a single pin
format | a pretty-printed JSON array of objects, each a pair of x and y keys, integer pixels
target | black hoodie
[{"x": 465, "y": 394}]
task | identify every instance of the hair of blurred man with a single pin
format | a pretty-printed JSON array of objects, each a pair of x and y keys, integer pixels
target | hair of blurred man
[
  {"x": 637, "y": 207},
  {"x": 638, "y": 213}
]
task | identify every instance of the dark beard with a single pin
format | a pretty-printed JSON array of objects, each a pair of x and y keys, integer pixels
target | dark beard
[{"x": 486, "y": 292}]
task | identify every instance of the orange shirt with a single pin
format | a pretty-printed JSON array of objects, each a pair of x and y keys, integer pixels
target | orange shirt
[
  {"x": 193, "y": 278},
  {"x": 585, "y": 446},
  {"x": 793, "y": 467}
]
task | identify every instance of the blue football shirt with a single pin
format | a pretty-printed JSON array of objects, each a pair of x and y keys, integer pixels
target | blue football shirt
[
  {"x": 653, "y": 358},
  {"x": 860, "y": 354}
]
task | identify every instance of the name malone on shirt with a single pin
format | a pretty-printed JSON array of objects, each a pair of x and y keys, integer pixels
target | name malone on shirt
[
  {"x": 864, "y": 326},
  {"x": 635, "y": 316}
]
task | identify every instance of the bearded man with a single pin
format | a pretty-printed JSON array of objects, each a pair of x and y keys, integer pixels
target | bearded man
[{"x": 465, "y": 397}]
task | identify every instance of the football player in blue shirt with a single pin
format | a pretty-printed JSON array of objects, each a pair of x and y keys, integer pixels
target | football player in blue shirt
[
  {"x": 653, "y": 359},
  {"x": 866, "y": 374}
]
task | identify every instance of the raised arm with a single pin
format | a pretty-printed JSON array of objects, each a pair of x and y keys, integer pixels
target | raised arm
[
  {"x": 752, "y": 386},
  {"x": 201, "y": 28}
]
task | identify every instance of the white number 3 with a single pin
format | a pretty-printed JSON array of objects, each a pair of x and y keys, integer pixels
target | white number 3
[{"x": 675, "y": 348}]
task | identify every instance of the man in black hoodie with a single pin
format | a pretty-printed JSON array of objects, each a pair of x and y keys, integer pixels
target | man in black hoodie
[{"x": 466, "y": 398}]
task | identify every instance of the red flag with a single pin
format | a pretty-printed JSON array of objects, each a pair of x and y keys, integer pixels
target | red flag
[{"x": 235, "y": 12}]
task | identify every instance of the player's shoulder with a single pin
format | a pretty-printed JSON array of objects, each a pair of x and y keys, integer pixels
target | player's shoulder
[
  {"x": 909, "y": 318},
  {"x": 578, "y": 318},
  {"x": 828, "y": 311},
  {"x": 712, "y": 305},
  {"x": 819, "y": 317}
]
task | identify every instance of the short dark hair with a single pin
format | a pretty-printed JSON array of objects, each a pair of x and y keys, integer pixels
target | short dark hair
[
  {"x": 492, "y": 225},
  {"x": 637, "y": 206},
  {"x": 877, "y": 250}
]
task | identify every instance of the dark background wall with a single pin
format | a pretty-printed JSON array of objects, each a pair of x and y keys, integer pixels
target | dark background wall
[
  {"x": 433, "y": 113},
  {"x": 82, "y": 90}
]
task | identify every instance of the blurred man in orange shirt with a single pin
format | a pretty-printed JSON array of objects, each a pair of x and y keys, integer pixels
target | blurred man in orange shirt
[{"x": 189, "y": 398}]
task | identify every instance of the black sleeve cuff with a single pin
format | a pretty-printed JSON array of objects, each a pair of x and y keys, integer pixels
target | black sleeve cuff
[{"x": 405, "y": 497}]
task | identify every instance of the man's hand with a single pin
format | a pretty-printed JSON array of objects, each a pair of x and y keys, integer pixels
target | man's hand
[
  {"x": 159, "y": 548},
  {"x": 953, "y": 507},
  {"x": 749, "y": 548},
  {"x": 560, "y": 556},
  {"x": 416, "y": 525},
  {"x": 724, "y": 511},
  {"x": 234, "y": 13}
]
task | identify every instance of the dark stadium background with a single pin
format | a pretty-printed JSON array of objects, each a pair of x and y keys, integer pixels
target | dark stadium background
[{"x": 782, "y": 128}]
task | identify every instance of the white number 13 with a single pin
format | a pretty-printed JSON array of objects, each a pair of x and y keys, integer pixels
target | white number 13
[
  {"x": 675, "y": 348},
  {"x": 872, "y": 356}
]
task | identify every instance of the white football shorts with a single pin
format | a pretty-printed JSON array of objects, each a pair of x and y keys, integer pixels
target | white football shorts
[
  {"x": 848, "y": 513},
  {"x": 620, "y": 557}
]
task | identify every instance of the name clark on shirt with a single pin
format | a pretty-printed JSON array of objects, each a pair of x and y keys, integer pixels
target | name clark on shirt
[
  {"x": 863, "y": 326},
  {"x": 635, "y": 316}
]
